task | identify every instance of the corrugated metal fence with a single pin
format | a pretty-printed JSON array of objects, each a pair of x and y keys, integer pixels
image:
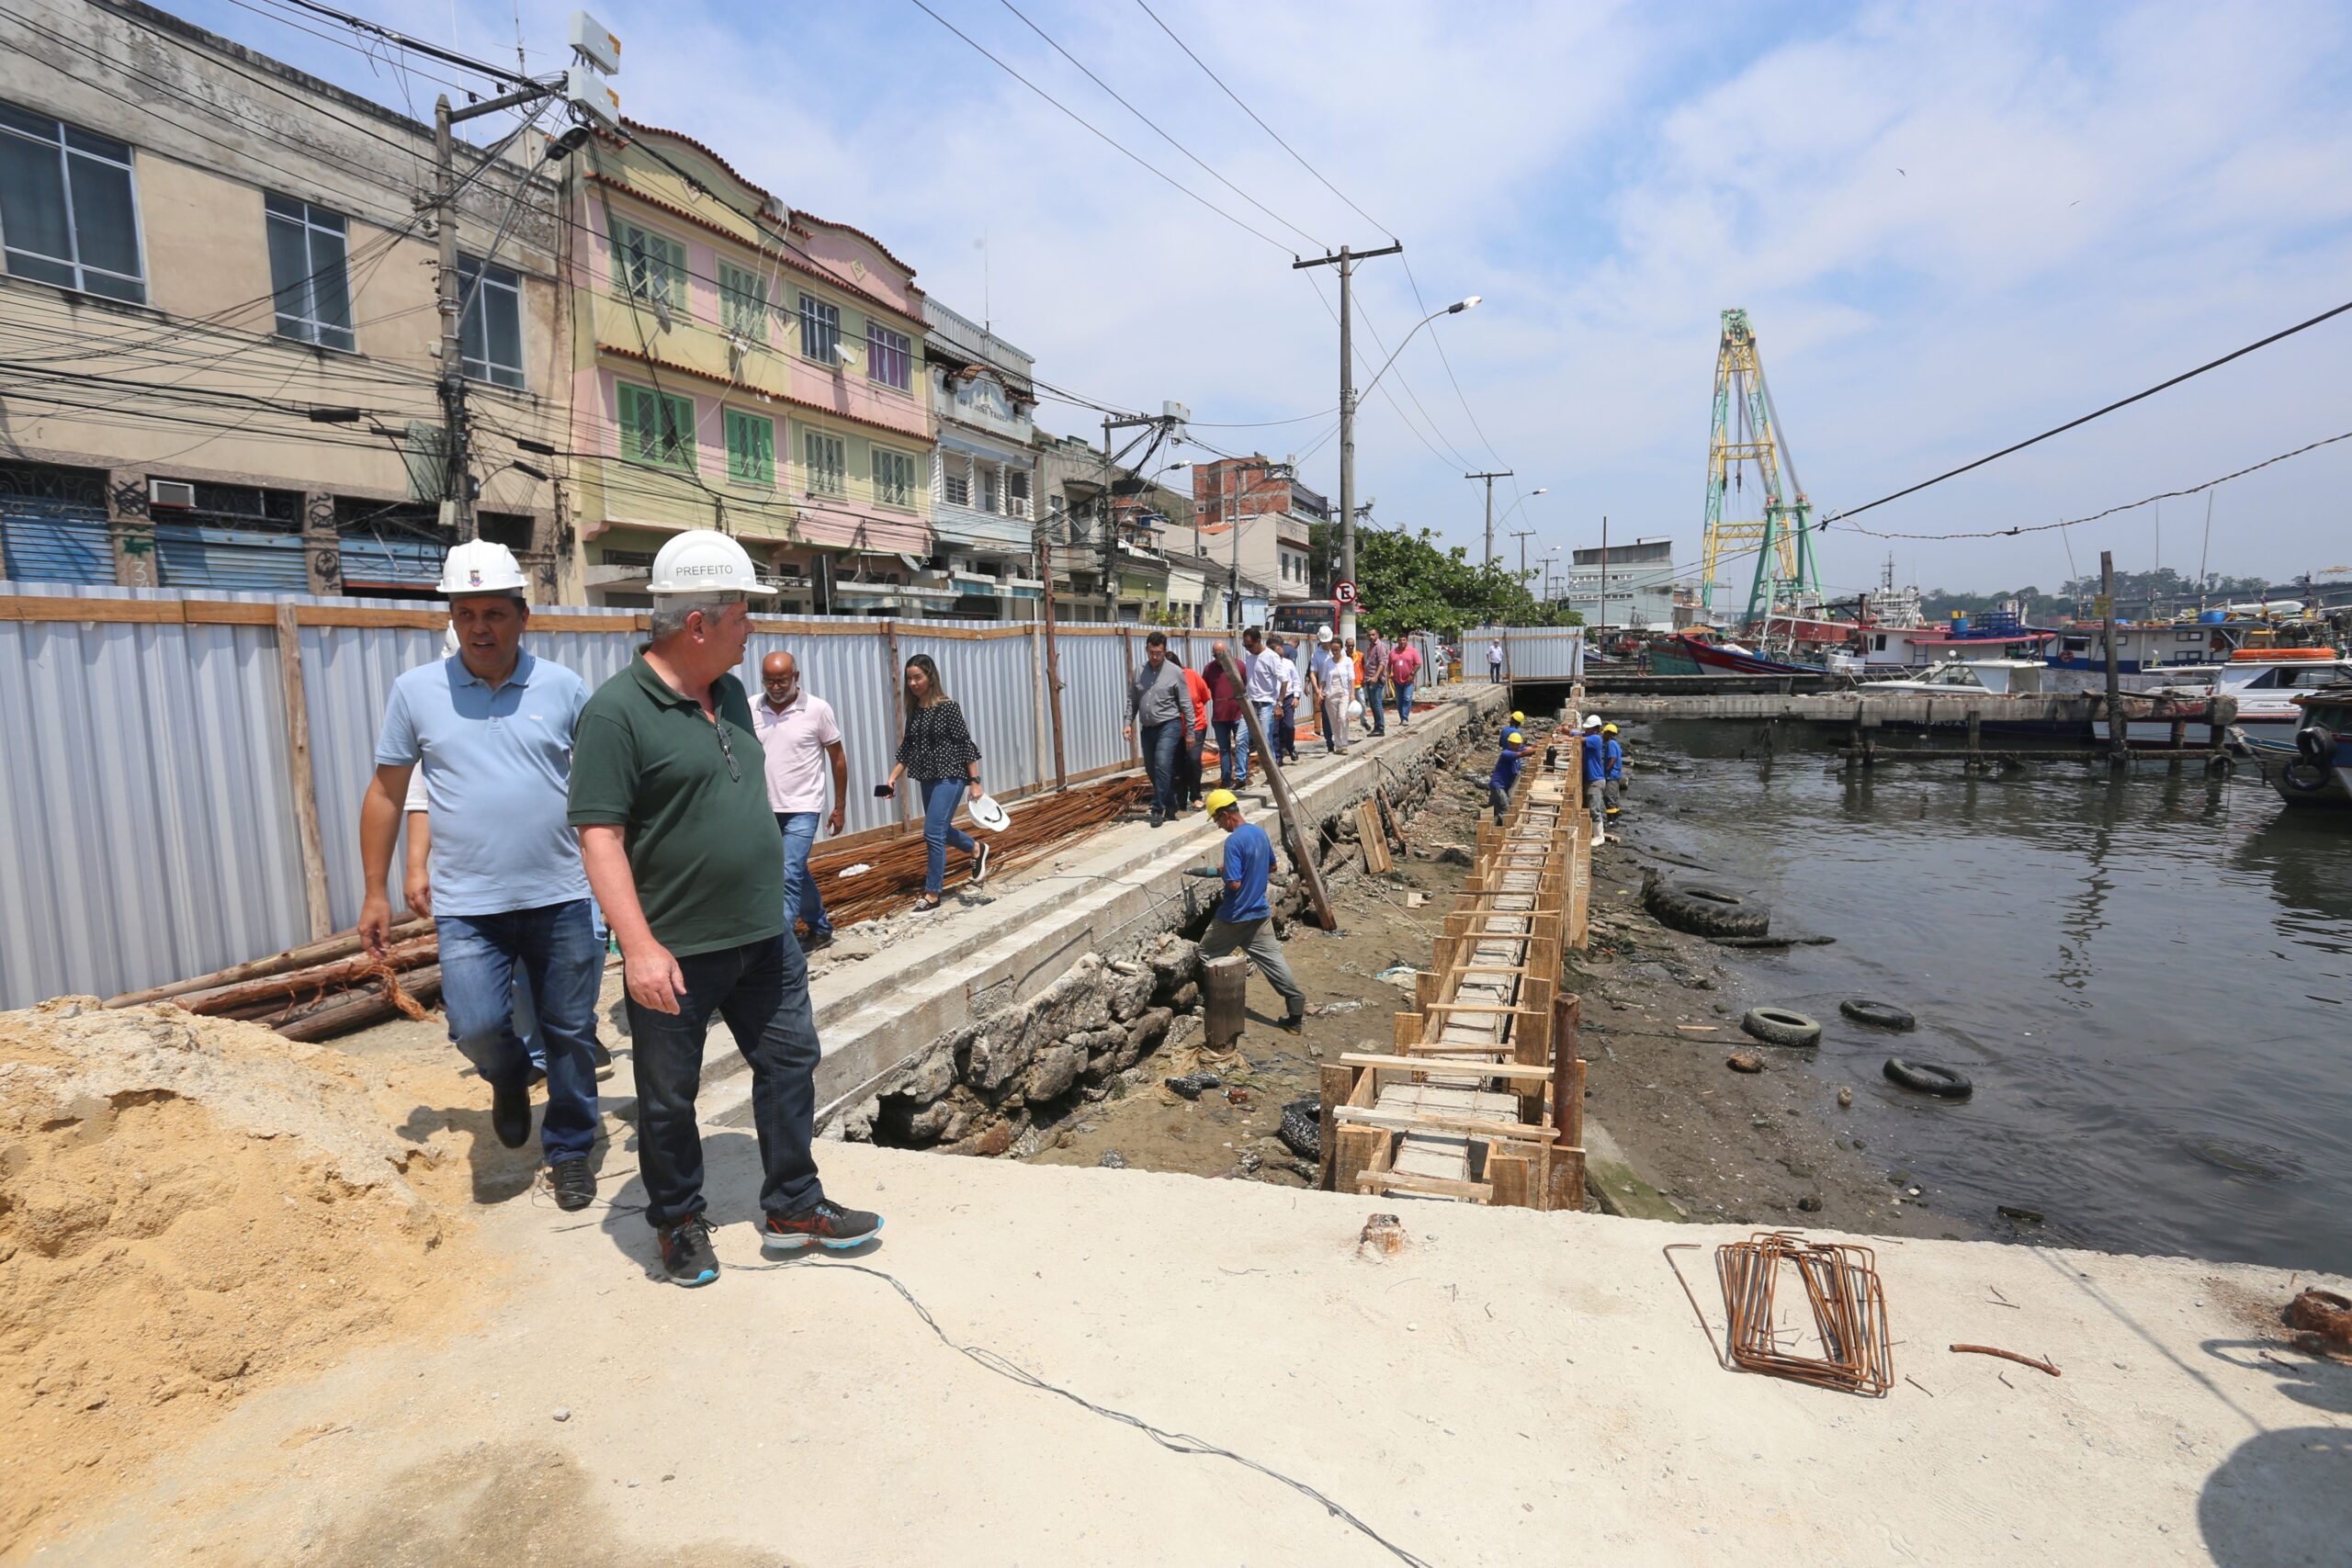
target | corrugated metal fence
[
  {"x": 1530, "y": 653},
  {"x": 148, "y": 828}
]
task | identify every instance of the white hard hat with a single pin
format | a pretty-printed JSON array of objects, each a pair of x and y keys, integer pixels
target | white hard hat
[
  {"x": 478, "y": 566},
  {"x": 1323, "y": 635},
  {"x": 1592, "y": 721},
  {"x": 1355, "y": 710},
  {"x": 704, "y": 560},
  {"x": 988, "y": 814}
]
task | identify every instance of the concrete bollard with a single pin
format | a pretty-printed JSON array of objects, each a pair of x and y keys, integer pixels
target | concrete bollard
[{"x": 1224, "y": 985}]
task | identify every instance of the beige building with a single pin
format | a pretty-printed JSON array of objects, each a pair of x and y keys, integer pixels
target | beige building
[
  {"x": 218, "y": 324},
  {"x": 1251, "y": 512}
]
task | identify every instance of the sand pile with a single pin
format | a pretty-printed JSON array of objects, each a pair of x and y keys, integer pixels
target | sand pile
[{"x": 190, "y": 1209}]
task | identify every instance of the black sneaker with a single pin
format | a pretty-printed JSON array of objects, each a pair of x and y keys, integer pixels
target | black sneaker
[
  {"x": 825, "y": 1223},
  {"x": 686, "y": 1254},
  {"x": 1295, "y": 1024},
  {"x": 510, "y": 1114},
  {"x": 602, "y": 1056},
  {"x": 980, "y": 864},
  {"x": 573, "y": 1183},
  {"x": 816, "y": 941}
]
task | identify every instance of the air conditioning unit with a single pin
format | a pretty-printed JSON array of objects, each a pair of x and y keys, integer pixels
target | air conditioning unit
[{"x": 171, "y": 493}]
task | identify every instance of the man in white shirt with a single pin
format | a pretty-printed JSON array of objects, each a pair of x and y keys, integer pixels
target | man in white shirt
[
  {"x": 800, "y": 736},
  {"x": 1284, "y": 738},
  {"x": 1262, "y": 670},
  {"x": 1334, "y": 679}
]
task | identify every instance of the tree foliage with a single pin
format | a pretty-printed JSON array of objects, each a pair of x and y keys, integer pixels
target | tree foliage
[
  {"x": 2173, "y": 589},
  {"x": 1407, "y": 582}
]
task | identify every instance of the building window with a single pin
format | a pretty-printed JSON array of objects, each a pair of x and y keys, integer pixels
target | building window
[
  {"x": 987, "y": 501},
  {"x": 646, "y": 265},
  {"x": 820, "y": 330},
  {"x": 743, "y": 303},
  {"x": 751, "y": 448},
  {"x": 894, "y": 479},
  {"x": 827, "y": 460},
  {"x": 657, "y": 428},
  {"x": 1016, "y": 492},
  {"x": 305, "y": 250},
  {"x": 492, "y": 328},
  {"x": 955, "y": 479},
  {"x": 67, "y": 209},
  {"x": 889, "y": 357}
]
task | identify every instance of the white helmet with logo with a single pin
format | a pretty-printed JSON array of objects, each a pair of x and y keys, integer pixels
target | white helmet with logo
[
  {"x": 704, "y": 560},
  {"x": 478, "y": 566}
]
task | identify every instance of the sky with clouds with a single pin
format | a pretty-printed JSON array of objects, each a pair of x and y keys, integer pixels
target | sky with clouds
[{"x": 1951, "y": 226}]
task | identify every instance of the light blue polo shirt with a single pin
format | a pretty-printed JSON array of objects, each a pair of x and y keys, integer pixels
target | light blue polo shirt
[{"x": 497, "y": 781}]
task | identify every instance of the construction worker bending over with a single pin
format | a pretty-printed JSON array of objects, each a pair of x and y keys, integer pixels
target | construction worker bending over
[
  {"x": 1244, "y": 921},
  {"x": 1613, "y": 763},
  {"x": 492, "y": 728},
  {"x": 1500, "y": 783},
  {"x": 1596, "y": 776}
]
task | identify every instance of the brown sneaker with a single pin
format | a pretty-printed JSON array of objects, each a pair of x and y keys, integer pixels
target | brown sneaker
[{"x": 824, "y": 1223}]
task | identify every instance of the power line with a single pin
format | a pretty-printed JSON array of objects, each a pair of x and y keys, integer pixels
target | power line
[
  {"x": 361, "y": 23},
  {"x": 1097, "y": 132},
  {"x": 1164, "y": 135},
  {"x": 2086, "y": 419}
]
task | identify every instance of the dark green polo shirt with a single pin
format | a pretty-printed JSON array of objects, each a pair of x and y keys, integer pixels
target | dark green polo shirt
[{"x": 701, "y": 839}]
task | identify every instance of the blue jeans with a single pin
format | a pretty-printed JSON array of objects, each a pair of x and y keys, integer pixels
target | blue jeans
[
  {"x": 1285, "y": 739},
  {"x": 555, "y": 948},
  {"x": 1375, "y": 703},
  {"x": 1404, "y": 702},
  {"x": 1494, "y": 675},
  {"x": 800, "y": 901},
  {"x": 1232, "y": 753},
  {"x": 527, "y": 1017},
  {"x": 1160, "y": 749},
  {"x": 761, "y": 990},
  {"x": 940, "y": 797}
]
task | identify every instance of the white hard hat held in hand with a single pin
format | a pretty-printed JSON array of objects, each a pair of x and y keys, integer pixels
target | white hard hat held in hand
[
  {"x": 478, "y": 566},
  {"x": 702, "y": 560}
]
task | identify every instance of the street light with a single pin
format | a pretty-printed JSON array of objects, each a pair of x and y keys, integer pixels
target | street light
[
  {"x": 1453, "y": 310},
  {"x": 1524, "y": 500}
]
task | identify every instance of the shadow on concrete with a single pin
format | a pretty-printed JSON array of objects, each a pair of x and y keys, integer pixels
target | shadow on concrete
[{"x": 2282, "y": 1500}]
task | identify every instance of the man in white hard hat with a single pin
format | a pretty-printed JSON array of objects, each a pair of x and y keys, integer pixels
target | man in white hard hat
[
  {"x": 669, "y": 792},
  {"x": 492, "y": 727}
]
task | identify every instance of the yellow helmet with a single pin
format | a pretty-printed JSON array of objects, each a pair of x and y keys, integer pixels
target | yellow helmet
[
  {"x": 1608, "y": 729},
  {"x": 1513, "y": 737},
  {"x": 1218, "y": 799},
  {"x": 1517, "y": 716}
]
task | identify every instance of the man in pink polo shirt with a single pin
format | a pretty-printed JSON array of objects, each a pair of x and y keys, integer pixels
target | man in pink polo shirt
[{"x": 799, "y": 735}]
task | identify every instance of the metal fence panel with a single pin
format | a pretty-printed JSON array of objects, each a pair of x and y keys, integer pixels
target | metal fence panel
[
  {"x": 1095, "y": 676},
  {"x": 1530, "y": 653}
]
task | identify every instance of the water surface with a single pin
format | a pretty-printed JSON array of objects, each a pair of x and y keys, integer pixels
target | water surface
[{"x": 2147, "y": 977}]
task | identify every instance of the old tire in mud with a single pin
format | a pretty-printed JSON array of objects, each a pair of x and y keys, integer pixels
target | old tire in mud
[
  {"x": 1702, "y": 909},
  {"x": 1926, "y": 1078},
  {"x": 1301, "y": 1128},
  {"x": 1779, "y": 1026},
  {"x": 1878, "y": 1015}
]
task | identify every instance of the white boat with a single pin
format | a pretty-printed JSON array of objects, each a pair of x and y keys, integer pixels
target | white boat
[
  {"x": 2266, "y": 683},
  {"x": 1985, "y": 677},
  {"x": 2312, "y": 764}
]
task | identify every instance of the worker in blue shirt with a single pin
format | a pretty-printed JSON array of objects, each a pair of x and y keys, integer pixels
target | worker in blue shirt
[
  {"x": 1244, "y": 919},
  {"x": 1596, "y": 776},
  {"x": 1508, "y": 763},
  {"x": 1613, "y": 759}
]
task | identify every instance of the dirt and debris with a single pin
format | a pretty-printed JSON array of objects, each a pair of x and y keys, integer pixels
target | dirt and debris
[{"x": 193, "y": 1209}]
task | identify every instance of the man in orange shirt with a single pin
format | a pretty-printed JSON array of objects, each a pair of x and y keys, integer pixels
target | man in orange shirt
[{"x": 1194, "y": 742}]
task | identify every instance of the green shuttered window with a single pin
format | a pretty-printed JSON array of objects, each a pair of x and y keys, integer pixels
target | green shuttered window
[
  {"x": 657, "y": 428},
  {"x": 751, "y": 448}
]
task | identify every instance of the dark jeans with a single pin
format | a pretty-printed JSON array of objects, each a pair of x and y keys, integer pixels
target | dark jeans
[
  {"x": 761, "y": 990},
  {"x": 555, "y": 948},
  {"x": 1494, "y": 674},
  {"x": 1285, "y": 736},
  {"x": 940, "y": 798},
  {"x": 1375, "y": 702},
  {"x": 1194, "y": 741},
  {"x": 1160, "y": 749},
  {"x": 1232, "y": 752}
]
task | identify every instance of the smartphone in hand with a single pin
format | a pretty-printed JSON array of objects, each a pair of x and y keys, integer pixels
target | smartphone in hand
[{"x": 883, "y": 792}]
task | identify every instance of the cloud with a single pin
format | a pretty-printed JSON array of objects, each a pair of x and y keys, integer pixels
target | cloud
[{"x": 2089, "y": 200}]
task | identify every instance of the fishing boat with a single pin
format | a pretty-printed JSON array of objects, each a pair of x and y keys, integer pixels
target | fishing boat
[
  {"x": 2265, "y": 682},
  {"x": 2314, "y": 768}
]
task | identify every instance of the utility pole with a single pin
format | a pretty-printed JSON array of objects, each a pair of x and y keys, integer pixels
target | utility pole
[
  {"x": 1345, "y": 260},
  {"x": 598, "y": 55},
  {"x": 2114, "y": 680},
  {"x": 1487, "y": 560},
  {"x": 1108, "y": 518},
  {"x": 1523, "y": 535}
]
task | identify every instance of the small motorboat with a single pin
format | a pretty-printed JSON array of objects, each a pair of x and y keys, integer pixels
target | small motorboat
[{"x": 2315, "y": 767}]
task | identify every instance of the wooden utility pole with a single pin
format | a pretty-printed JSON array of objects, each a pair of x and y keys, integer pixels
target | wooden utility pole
[
  {"x": 1345, "y": 260},
  {"x": 2115, "y": 747},
  {"x": 1302, "y": 848}
]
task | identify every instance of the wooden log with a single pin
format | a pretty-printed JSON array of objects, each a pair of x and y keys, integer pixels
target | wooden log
[
  {"x": 359, "y": 1008},
  {"x": 1389, "y": 819},
  {"x": 319, "y": 976},
  {"x": 340, "y": 944},
  {"x": 300, "y": 779}
]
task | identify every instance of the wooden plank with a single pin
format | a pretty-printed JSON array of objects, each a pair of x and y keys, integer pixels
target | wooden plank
[
  {"x": 300, "y": 779},
  {"x": 1337, "y": 1083},
  {"x": 1389, "y": 819},
  {"x": 1419, "y": 1121},
  {"x": 1355, "y": 1150},
  {"x": 1406, "y": 1029},
  {"x": 1520, "y": 1070},
  {"x": 1485, "y": 1009},
  {"x": 1425, "y": 989},
  {"x": 1511, "y": 1173},
  {"x": 1374, "y": 1183},
  {"x": 118, "y": 611},
  {"x": 1370, "y": 839},
  {"x": 228, "y": 613}
]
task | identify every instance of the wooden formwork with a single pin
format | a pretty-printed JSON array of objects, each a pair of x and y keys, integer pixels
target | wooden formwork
[{"x": 1481, "y": 1096}]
